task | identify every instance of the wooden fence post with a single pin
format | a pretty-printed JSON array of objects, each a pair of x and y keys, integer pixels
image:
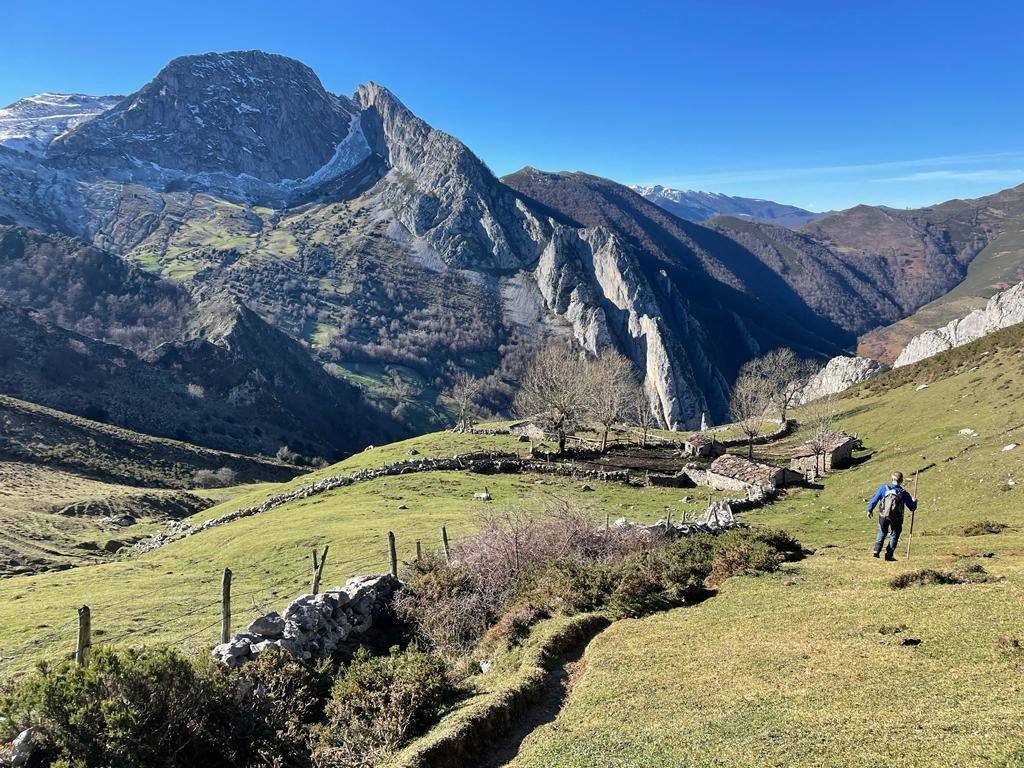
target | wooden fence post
[
  {"x": 419, "y": 552},
  {"x": 225, "y": 607},
  {"x": 316, "y": 565},
  {"x": 84, "y": 636},
  {"x": 393, "y": 554},
  {"x": 444, "y": 543},
  {"x": 319, "y": 572}
]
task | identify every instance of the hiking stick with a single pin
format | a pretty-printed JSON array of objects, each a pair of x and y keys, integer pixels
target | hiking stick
[{"x": 913, "y": 513}]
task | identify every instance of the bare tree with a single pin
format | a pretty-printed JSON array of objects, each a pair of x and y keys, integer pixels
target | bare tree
[
  {"x": 611, "y": 383},
  {"x": 554, "y": 390},
  {"x": 820, "y": 416},
  {"x": 464, "y": 391},
  {"x": 640, "y": 412},
  {"x": 783, "y": 375},
  {"x": 751, "y": 399}
]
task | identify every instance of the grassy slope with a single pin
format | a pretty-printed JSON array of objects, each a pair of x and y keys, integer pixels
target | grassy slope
[
  {"x": 995, "y": 268},
  {"x": 791, "y": 669},
  {"x": 268, "y": 553}
]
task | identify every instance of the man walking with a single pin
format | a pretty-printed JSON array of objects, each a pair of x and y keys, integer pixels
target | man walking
[{"x": 891, "y": 499}]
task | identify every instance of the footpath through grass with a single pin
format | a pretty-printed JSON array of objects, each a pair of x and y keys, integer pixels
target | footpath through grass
[{"x": 816, "y": 665}]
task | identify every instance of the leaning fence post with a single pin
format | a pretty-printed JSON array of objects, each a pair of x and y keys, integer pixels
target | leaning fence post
[
  {"x": 225, "y": 607},
  {"x": 444, "y": 543},
  {"x": 393, "y": 554},
  {"x": 84, "y": 636},
  {"x": 319, "y": 572}
]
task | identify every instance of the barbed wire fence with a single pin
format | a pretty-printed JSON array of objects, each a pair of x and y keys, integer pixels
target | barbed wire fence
[{"x": 74, "y": 638}]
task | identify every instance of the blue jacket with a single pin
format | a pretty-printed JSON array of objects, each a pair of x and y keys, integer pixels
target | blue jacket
[{"x": 908, "y": 500}]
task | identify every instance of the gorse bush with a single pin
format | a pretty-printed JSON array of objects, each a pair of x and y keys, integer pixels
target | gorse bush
[
  {"x": 132, "y": 709},
  {"x": 523, "y": 566},
  {"x": 378, "y": 704}
]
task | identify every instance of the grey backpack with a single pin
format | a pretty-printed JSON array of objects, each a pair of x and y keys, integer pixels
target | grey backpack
[{"x": 892, "y": 502}]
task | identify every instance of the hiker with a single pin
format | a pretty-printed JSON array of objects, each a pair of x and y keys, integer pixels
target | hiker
[{"x": 891, "y": 499}]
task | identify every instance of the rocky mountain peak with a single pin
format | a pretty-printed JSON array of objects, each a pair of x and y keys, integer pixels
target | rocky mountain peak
[{"x": 244, "y": 112}]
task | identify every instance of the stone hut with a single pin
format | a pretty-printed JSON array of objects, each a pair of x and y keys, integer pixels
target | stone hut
[
  {"x": 701, "y": 447},
  {"x": 836, "y": 452},
  {"x": 730, "y": 472}
]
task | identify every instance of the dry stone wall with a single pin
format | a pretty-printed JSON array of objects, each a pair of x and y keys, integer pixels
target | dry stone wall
[{"x": 316, "y": 626}]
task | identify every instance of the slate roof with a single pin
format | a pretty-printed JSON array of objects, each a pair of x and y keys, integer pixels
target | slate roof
[
  {"x": 745, "y": 470},
  {"x": 834, "y": 443}
]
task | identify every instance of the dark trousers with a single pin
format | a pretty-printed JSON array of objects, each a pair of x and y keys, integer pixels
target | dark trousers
[{"x": 891, "y": 527}]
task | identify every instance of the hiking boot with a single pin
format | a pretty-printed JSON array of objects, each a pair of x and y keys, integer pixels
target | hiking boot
[
  {"x": 889, "y": 557},
  {"x": 875, "y": 554}
]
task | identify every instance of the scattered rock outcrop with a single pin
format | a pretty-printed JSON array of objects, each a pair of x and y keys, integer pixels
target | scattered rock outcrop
[
  {"x": 1003, "y": 310},
  {"x": 316, "y": 626},
  {"x": 838, "y": 375}
]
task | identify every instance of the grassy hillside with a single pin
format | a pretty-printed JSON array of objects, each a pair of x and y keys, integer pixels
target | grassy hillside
[
  {"x": 62, "y": 477},
  {"x": 998, "y": 266},
  {"x": 172, "y": 593},
  {"x": 806, "y": 667}
]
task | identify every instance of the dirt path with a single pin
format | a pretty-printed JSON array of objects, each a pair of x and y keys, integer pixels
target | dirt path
[{"x": 563, "y": 672}]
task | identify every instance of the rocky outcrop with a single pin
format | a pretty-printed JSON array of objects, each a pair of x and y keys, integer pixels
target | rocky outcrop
[
  {"x": 315, "y": 627},
  {"x": 838, "y": 375},
  {"x": 1002, "y": 310},
  {"x": 243, "y": 112}
]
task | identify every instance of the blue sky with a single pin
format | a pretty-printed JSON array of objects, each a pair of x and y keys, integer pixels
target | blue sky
[{"x": 822, "y": 104}]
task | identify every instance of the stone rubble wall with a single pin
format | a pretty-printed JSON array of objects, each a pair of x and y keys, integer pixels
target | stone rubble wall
[
  {"x": 316, "y": 626},
  {"x": 484, "y": 462}
]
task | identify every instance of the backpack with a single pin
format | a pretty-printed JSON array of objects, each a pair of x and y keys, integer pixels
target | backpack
[{"x": 892, "y": 502}]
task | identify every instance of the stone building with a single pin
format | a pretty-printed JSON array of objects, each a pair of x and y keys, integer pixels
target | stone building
[
  {"x": 836, "y": 452},
  {"x": 701, "y": 447},
  {"x": 730, "y": 472}
]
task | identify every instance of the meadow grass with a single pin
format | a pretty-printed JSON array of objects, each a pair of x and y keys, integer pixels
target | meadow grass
[
  {"x": 807, "y": 666},
  {"x": 144, "y": 599}
]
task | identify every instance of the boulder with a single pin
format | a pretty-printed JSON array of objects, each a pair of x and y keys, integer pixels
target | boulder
[
  {"x": 270, "y": 626},
  {"x": 838, "y": 375}
]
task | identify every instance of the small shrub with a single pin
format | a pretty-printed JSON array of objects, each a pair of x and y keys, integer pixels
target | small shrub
[
  {"x": 449, "y": 606},
  {"x": 984, "y": 527},
  {"x": 277, "y": 698},
  {"x": 377, "y": 704},
  {"x": 131, "y": 709},
  {"x": 736, "y": 555},
  {"x": 221, "y": 478},
  {"x": 969, "y": 574}
]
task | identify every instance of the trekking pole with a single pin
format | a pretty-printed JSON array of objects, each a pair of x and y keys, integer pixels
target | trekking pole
[{"x": 913, "y": 512}]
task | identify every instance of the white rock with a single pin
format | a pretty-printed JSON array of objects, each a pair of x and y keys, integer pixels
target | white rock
[
  {"x": 968, "y": 432},
  {"x": 1009, "y": 447},
  {"x": 1003, "y": 310},
  {"x": 919, "y": 387},
  {"x": 838, "y": 375},
  {"x": 22, "y": 748}
]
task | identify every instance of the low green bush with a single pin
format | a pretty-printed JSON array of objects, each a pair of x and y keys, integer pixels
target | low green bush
[
  {"x": 130, "y": 709},
  {"x": 378, "y": 704}
]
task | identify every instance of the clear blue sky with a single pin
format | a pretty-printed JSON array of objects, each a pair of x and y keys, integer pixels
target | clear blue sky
[{"x": 822, "y": 104}]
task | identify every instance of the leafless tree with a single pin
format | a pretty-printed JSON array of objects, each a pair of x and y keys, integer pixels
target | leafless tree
[
  {"x": 611, "y": 383},
  {"x": 554, "y": 392},
  {"x": 750, "y": 402},
  {"x": 640, "y": 412},
  {"x": 464, "y": 392},
  {"x": 820, "y": 416},
  {"x": 783, "y": 375}
]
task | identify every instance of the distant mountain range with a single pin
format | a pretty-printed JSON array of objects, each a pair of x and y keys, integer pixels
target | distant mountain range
[
  {"x": 339, "y": 260},
  {"x": 693, "y": 205}
]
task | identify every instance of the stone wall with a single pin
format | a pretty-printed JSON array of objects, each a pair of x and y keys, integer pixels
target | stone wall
[{"x": 317, "y": 626}]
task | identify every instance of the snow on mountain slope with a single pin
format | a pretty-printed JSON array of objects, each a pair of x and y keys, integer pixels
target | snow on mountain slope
[
  {"x": 694, "y": 205},
  {"x": 30, "y": 124}
]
